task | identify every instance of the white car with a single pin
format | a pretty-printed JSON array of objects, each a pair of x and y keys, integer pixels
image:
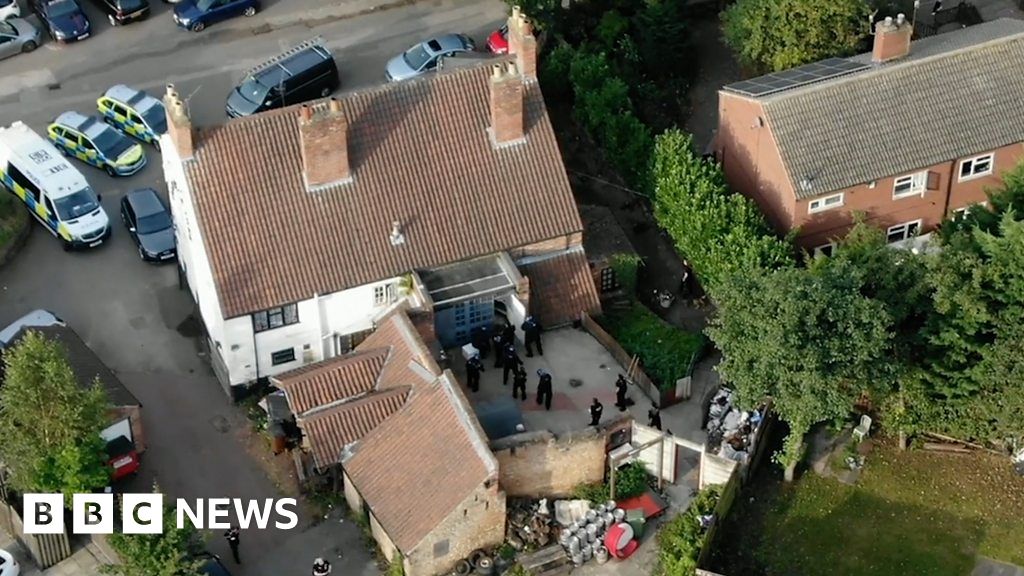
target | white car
[
  {"x": 8, "y": 565},
  {"x": 9, "y": 9}
]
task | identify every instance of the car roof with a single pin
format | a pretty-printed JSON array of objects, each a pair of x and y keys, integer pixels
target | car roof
[
  {"x": 34, "y": 319},
  {"x": 135, "y": 99},
  {"x": 300, "y": 61},
  {"x": 443, "y": 43},
  {"x": 145, "y": 201},
  {"x": 213, "y": 566},
  {"x": 40, "y": 161}
]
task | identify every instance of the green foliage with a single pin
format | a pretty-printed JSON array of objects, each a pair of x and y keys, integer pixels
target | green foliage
[
  {"x": 544, "y": 14},
  {"x": 596, "y": 492},
  {"x": 721, "y": 233},
  {"x": 50, "y": 425},
  {"x": 554, "y": 71},
  {"x": 625, "y": 267},
  {"x": 660, "y": 30},
  {"x": 612, "y": 27},
  {"x": 631, "y": 480},
  {"x": 395, "y": 567},
  {"x": 517, "y": 570},
  {"x": 664, "y": 350},
  {"x": 172, "y": 553},
  {"x": 781, "y": 34},
  {"x": 680, "y": 541},
  {"x": 507, "y": 551},
  {"x": 806, "y": 338}
]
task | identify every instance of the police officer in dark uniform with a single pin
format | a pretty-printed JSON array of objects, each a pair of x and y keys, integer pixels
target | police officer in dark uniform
[
  {"x": 654, "y": 417},
  {"x": 620, "y": 393},
  {"x": 544, "y": 389},
  {"x": 519, "y": 384},
  {"x": 321, "y": 567},
  {"x": 473, "y": 369},
  {"x": 508, "y": 336},
  {"x": 531, "y": 329},
  {"x": 481, "y": 340},
  {"x": 596, "y": 409},
  {"x": 232, "y": 537},
  {"x": 510, "y": 363}
]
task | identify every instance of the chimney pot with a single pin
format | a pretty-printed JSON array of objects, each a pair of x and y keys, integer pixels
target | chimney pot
[
  {"x": 496, "y": 71},
  {"x": 522, "y": 43},
  {"x": 888, "y": 20},
  {"x": 892, "y": 39},
  {"x": 900, "y": 19},
  {"x": 179, "y": 125},
  {"x": 510, "y": 69},
  {"x": 335, "y": 105},
  {"x": 305, "y": 113}
]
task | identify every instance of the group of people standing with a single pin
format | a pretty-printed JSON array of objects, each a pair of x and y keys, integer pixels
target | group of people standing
[
  {"x": 506, "y": 357},
  {"x": 622, "y": 402}
]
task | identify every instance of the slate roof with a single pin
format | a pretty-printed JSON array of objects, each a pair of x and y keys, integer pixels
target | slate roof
[
  {"x": 420, "y": 154},
  {"x": 956, "y": 95},
  {"x": 417, "y": 466},
  {"x": 561, "y": 287},
  {"x": 86, "y": 365}
]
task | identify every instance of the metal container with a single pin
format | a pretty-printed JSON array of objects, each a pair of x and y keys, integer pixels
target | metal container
[
  {"x": 563, "y": 538},
  {"x": 609, "y": 519},
  {"x": 609, "y": 505},
  {"x": 592, "y": 530},
  {"x": 601, "y": 554},
  {"x": 591, "y": 515},
  {"x": 588, "y": 553},
  {"x": 574, "y": 526},
  {"x": 619, "y": 515},
  {"x": 577, "y": 558},
  {"x": 582, "y": 535}
]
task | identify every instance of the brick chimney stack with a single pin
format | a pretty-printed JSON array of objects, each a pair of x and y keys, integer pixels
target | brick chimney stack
[
  {"x": 522, "y": 43},
  {"x": 324, "y": 139},
  {"x": 892, "y": 39},
  {"x": 179, "y": 125},
  {"x": 507, "y": 126}
]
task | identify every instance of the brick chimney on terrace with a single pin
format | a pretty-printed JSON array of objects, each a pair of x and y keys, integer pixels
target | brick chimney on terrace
[
  {"x": 522, "y": 43},
  {"x": 507, "y": 127},
  {"x": 179, "y": 125},
  {"x": 323, "y": 136},
  {"x": 892, "y": 39}
]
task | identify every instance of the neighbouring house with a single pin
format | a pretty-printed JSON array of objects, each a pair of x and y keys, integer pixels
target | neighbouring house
[
  {"x": 604, "y": 240},
  {"x": 126, "y": 410},
  {"x": 412, "y": 454},
  {"x": 909, "y": 134},
  {"x": 298, "y": 228}
]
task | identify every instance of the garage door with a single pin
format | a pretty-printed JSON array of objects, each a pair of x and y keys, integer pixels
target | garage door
[
  {"x": 121, "y": 428},
  {"x": 455, "y": 323}
]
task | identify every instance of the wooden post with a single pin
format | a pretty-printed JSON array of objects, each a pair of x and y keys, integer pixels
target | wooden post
[{"x": 661, "y": 462}]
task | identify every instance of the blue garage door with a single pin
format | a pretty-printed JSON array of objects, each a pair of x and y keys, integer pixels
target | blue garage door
[{"x": 455, "y": 323}]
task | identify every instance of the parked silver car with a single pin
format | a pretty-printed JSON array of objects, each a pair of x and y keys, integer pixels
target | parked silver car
[
  {"x": 425, "y": 56},
  {"x": 17, "y": 36}
]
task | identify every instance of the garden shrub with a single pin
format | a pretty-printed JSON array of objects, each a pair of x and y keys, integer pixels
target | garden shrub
[
  {"x": 595, "y": 492},
  {"x": 664, "y": 349},
  {"x": 631, "y": 480},
  {"x": 554, "y": 71},
  {"x": 681, "y": 540}
]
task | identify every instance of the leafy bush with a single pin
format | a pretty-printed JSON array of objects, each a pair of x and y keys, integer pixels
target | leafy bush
[
  {"x": 554, "y": 71},
  {"x": 395, "y": 567},
  {"x": 596, "y": 492},
  {"x": 680, "y": 541},
  {"x": 664, "y": 349},
  {"x": 631, "y": 480},
  {"x": 611, "y": 28},
  {"x": 625, "y": 268}
]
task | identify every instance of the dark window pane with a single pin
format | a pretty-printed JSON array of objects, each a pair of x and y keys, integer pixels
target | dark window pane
[
  {"x": 282, "y": 356},
  {"x": 259, "y": 321},
  {"x": 291, "y": 314},
  {"x": 276, "y": 317}
]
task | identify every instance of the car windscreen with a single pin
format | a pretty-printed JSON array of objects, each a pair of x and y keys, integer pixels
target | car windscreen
[
  {"x": 153, "y": 223},
  {"x": 416, "y": 57},
  {"x": 253, "y": 91},
  {"x": 76, "y": 205},
  {"x": 130, "y": 5},
  {"x": 155, "y": 118},
  {"x": 111, "y": 143},
  {"x": 4, "y": 4},
  {"x": 204, "y": 5},
  {"x": 61, "y": 8},
  {"x": 7, "y": 29}
]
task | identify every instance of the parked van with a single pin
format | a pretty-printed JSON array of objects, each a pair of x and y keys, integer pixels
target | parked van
[
  {"x": 303, "y": 73},
  {"x": 55, "y": 193}
]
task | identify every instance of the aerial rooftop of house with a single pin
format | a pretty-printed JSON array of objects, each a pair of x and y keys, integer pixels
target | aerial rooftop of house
[
  {"x": 412, "y": 175},
  {"x": 846, "y": 121}
]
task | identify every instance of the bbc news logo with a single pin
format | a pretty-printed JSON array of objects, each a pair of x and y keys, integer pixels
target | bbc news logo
[{"x": 144, "y": 513}]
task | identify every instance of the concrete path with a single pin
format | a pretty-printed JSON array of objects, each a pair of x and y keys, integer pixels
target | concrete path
[{"x": 990, "y": 567}]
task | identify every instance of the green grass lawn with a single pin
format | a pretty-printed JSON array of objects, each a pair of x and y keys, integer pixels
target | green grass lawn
[{"x": 911, "y": 513}]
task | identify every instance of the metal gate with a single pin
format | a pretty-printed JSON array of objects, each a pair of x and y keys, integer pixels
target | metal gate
[{"x": 455, "y": 323}]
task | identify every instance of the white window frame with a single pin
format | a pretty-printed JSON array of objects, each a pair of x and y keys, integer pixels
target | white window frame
[
  {"x": 989, "y": 159},
  {"x": 825, "y": 250},
  {"x": 917, "y": 184},
  {"x": 826, "y": 203},
  {"x": 961, "y": 212},
  {"x": 906, "y": 229},
  {"x": 383, "y": 294}
]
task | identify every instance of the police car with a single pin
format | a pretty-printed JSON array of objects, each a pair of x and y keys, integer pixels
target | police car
[
  {"x": 133, "y": 112},
  {"x": 55, "y": 193},
  {"x": 95, "y": 143}
]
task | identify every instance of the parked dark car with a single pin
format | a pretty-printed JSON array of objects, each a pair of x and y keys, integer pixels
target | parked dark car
[
  {"x": 150, "y": 225},
  {"x": 196, "y": 15},
  {"x": 304, "y": 73},
  {"x": 64, "y": 19},
  {"x": 124, "y": 11},
  {"x": 213, "y": 566}
]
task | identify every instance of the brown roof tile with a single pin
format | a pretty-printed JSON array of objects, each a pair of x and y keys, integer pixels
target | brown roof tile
[
  {"x": 561, "y": 288},
  {"x": 331, "y": 380},
  {"x": 420, "y": 154},
  {"x": 330, "y": 431},
  {"x": 417, "y": 466}
]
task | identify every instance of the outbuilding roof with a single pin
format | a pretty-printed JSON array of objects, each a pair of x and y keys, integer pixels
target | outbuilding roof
[{"x": 420, "y": 154}]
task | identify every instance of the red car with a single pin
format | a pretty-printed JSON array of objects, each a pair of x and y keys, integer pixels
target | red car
[
  {"x": 122, "y": 458},
  {"x": 497, "y": 42}
]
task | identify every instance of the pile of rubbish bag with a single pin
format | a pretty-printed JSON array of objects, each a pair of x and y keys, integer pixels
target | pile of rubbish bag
[
  {"x": 731, "y": 431},
  {"x": 530, "y": 524}
]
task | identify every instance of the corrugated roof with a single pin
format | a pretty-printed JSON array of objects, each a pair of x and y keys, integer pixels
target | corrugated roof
[
  {"x": 417, "y": 466},
  {"x": 420, "y": 153},
  {"x": 561, "y": 287},
  {"x": 956, "y": 95}
]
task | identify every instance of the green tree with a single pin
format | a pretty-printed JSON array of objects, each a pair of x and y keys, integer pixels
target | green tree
[
  {"x": 719, "y": 232},
  {"x": 773, "y": 35},
  {"x": 808, "y": 339},
  {"x": 50, "y": 425},
  {"x": 172, "y": 553}
]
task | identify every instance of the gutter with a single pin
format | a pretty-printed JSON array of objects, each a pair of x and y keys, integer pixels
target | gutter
[{"x": 949, "y": 189}]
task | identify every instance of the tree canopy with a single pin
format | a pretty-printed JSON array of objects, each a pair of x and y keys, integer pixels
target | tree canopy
[
  {"x": 50, "y": 425},
  {"x": 773, "y": 35},
  {"x": 172, "y": 553}
]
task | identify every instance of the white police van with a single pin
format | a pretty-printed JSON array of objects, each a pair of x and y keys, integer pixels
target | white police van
[{"x": 52, "y": 189}]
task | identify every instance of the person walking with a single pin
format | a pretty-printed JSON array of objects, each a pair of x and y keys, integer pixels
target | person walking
[
  {"x": 510, "y": 363},
  {"x": 321, "y": 567},
  {"x": 620, "y": 393},
  {"x": 544, "y": 389},
  {"x": 654, "y": 417},
  {"x": 473, "y": 369},
  {"x": 519, "y": 384},
  {"x": 506, "y": 338},
  {"x": 232, "y": 537},
  {"x": 532, "y": 329},
  {"x": 596, "y": 409}
]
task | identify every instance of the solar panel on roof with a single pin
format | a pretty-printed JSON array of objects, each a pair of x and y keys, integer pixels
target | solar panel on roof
[{"x": 796, "y": 77}]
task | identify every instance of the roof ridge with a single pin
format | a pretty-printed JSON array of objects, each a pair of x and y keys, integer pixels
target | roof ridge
[
  {"x": 305, "y": 373},
  {"x": 353, "y": 402}
]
